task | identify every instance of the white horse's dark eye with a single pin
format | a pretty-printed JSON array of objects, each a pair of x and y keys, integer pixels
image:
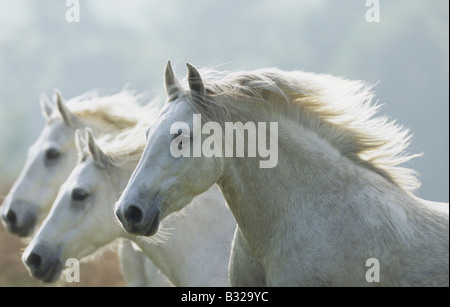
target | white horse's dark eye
[
  {"x": 52, "y": 154},
  {"x": 79, "y": 194}
]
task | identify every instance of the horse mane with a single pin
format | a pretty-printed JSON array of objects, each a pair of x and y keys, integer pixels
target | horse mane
[
  {"x": 340, "y": 111},
  {"x": 120, "y": 110},
  {"x": 124, "y": 112},
  {"x": 128, "y": 145},
  {"x": 124, "y": 146}
]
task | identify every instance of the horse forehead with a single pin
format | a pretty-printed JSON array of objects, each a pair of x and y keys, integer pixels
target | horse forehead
[
  {"x": 87, "y": 173},
  {"x": 57, "y": 132},
  {"x": 168, "y": 115},
  {"x": 176, "y": 110}
]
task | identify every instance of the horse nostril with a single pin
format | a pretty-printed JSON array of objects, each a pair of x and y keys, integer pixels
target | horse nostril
[
  {"x": 11, "y": 218},
  {"x": 134, "y": 215},
  {"x": 34, "y": 261}
]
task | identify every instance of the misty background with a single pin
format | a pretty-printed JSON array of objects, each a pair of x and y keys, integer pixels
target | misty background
[{"x": 128, "y": 42}]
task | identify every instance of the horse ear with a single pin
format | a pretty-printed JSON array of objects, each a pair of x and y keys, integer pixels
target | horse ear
[
  {"x": 171, "y": 83},
  {"x": 68, "y": 117},
  {"x": 46, "y": 106},
  {"x": 195, "y": 81},
  {"x": 97, "y": 155},
  {"x": 80, "y": 143}
]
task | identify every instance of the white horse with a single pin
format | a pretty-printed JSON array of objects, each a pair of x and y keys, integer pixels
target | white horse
[
  {"x": 52, "y": 157},
  {"x": 336, "y": 198},
  {"x": 195, "y": 252}
]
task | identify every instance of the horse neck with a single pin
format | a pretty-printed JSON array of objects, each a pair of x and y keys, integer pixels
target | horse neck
[
  {"x": 311, "y": 183},
  {"x": 192, "y": 255}
]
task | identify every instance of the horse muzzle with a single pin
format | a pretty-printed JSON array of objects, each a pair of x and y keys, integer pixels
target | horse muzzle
[
  {"x": 43, "y": 263},
  {"x": 139, "y": 219},
  {"x": 19, "y": 218}
]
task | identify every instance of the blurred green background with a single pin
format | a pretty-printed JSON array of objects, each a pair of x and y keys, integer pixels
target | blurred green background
[{"x": 120, "y": 42}]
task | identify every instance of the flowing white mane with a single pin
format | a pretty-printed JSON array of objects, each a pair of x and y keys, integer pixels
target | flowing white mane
[
  {"x": 340, "y": 111},
  {"x": 120, "y": 110},
  {"x": 128, "y": 145},
  {"x": 125, "y": 112}
]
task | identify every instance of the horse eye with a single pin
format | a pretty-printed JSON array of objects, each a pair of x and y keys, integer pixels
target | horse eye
[
  {"x": 52, "y": 154},
  {"x": 79, "y": 194}
]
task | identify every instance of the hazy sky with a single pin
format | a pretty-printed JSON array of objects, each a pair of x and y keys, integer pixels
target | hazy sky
[{"x": 120, "y": 42}]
